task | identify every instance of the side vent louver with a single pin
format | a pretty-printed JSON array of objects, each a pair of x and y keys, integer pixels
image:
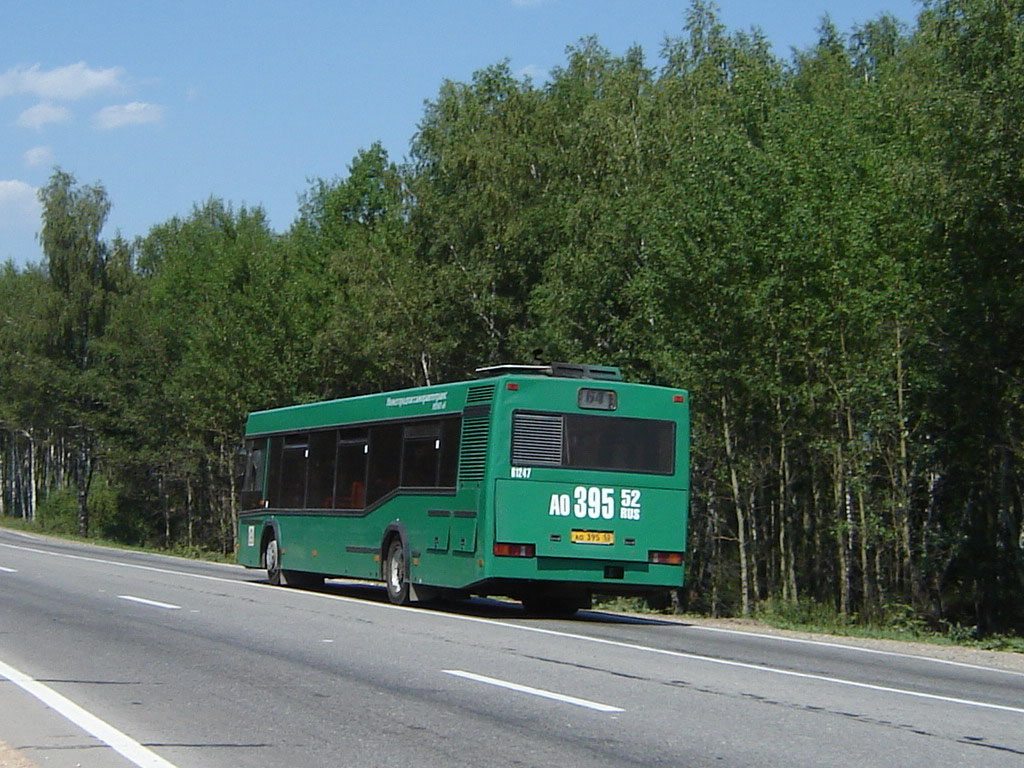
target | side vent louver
[
  {"x": 537, "y": 440},
  {"x": 476, "y": 424}
]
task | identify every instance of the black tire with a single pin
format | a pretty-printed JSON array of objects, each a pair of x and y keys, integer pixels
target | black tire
[
  {"x": 659, "y": 601},
  {"x": 556, "y": 602},
  {"x": 396, "y": 573},
  {"x": 272, "y": 560}
]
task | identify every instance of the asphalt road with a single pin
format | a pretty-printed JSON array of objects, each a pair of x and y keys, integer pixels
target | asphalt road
[{"x": 179, "y": 663}]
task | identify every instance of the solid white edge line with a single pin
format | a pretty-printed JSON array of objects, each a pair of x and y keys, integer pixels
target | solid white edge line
[
  {"x": 154, "y": 603},
  {"x": 7, "y": 570},
  {"x": 571, "y": 635},
  {"x": 88, "y": 722},
  {"x": 36, "y": 537},
  {"x": 534, "y": 691},
  {"x": 846, "y": 647}
]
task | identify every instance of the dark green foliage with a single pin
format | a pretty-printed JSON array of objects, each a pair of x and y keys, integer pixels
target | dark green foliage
[{"x": 827, "y": 251}]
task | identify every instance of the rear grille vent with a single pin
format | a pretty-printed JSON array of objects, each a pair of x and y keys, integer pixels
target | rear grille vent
[
  {"x": 537, "y": 440},
  {"x": 481, "y": 394}
]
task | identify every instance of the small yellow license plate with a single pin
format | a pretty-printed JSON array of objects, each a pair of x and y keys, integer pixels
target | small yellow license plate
[{"x": 592, "y": 537}]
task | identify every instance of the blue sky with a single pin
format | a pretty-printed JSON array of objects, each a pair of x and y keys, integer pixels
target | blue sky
[{"x": 167, "y": 103}]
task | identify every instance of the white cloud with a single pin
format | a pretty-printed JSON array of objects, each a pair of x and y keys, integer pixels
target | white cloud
[
  {"x": 43, "y": 113},
  {"x": 39, "y": 156},
  {"x": 19, "y": 206},
  {"x": 135, "y": 113},
  {"x": 533, "y": 72},
  {"x": 75, "y": 81}
]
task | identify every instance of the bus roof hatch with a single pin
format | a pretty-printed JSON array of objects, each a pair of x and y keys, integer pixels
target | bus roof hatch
[{"x": 557, "y": 370}]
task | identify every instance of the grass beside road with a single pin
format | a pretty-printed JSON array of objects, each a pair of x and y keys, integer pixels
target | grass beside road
[
  {"x": 894, "y": 622},
  {"x": 193, "y": 553}
]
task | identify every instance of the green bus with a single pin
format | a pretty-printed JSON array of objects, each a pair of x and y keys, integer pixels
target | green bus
[{"x": 544, "y": 483}]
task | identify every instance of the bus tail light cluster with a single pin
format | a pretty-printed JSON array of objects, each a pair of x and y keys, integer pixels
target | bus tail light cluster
[
  {"x": 502, "y": 549},
  {"x": 665, "y": 558}
]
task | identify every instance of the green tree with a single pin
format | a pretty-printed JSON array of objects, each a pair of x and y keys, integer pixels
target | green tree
[
  {"x": 968, "y": 64},
  {"x": 85, "y": 273}
]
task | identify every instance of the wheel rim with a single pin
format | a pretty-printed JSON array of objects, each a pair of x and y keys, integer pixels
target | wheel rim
[
  {"x": 396, "y": 569},
  {"x": 272, "y": 557}
]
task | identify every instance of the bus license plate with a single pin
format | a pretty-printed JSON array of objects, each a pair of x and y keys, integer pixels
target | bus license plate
[{"x": 592, "y": 537}]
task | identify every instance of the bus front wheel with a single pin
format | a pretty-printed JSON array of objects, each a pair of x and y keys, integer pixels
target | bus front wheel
[
  {"x": 280, "y": 577},
  {"x": 396, "y": 575},
  {"x": 272, "y": 558}
]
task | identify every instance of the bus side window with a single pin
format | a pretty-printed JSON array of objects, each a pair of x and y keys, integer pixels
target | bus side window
[
  {"x": 320, "y": 485},
  {"x": 252, "y": 481},
  {"x": 294, "y": 459},
  {"x": 421, "y": 448},
  {"x": 350, "y": 483},
  {"x": 385, "y": 461},
  {"x": 274, "y": 471},
  {"x": 450, "y": 431}
]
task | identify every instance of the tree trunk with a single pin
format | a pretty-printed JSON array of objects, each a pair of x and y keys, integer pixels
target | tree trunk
[
  {"x": 714, "y": 556},
  {"x": 3, "y": 475},
  {"x": 188, "y": 509},
  {"x": 908, "y": 574},
  {"x": 85, "y": 469},
  {"x": 33, "y": 493},
  {"x": 165, "y": 506},
  {"x": 741, "y": 515},
  {"x": 842, "y": 532},
  {"x": 787, "y": 556},
  {"x": 233, "y": 506}
]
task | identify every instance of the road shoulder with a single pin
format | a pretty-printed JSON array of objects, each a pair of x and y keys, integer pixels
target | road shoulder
[
  {"x": 1004, "y": 660},
  {"x": 34, "y": 736},
  {"x": 11, "y": 758}
]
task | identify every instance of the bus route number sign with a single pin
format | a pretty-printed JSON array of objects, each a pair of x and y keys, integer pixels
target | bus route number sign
[
  {"x": 596, "y": 503},
  {"x": 597, "y": 399}
]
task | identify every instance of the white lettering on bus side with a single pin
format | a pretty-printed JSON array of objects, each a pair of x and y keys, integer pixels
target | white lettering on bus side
[{"x": 438, "y": 400}]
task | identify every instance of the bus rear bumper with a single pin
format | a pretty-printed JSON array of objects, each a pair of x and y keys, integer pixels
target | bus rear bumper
[{"x": 512, "y": 577}]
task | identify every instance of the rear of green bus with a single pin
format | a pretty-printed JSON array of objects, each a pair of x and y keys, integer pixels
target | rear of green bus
[{"x": 588, "y": 485}]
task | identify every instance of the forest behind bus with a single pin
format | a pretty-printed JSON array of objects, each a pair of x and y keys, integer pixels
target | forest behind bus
[{"x": 825, "y": 250}]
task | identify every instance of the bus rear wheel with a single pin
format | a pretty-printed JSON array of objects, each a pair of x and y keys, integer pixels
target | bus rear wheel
[
  {"x": 396, "y": 575},
  {"x": 555, "y": 604}
]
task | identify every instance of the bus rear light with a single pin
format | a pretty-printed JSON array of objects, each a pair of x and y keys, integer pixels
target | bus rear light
[
  {"x": 512, "y": 386},
  {"x": 502, "y": 549},
  {"x": 665, "y": 558},
  {"x": 678, "y": 399}
]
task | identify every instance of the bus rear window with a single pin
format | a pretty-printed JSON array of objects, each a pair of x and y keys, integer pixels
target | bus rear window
[{"x": 576, "y": 441}]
